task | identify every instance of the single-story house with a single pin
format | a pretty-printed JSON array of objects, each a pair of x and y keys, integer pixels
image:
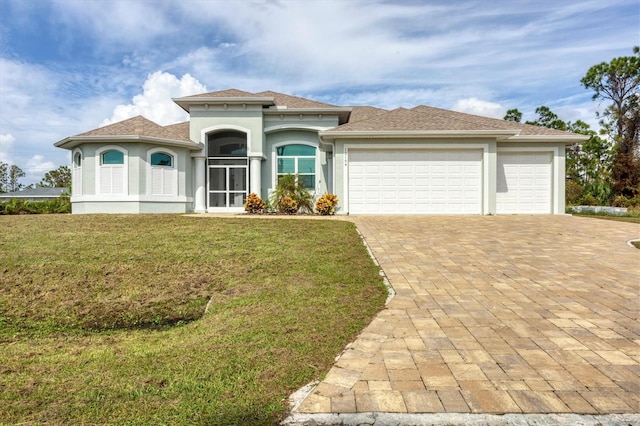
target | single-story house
[
  {"x": 34, "y": 194},
  {"x": 422, "y": 160}
]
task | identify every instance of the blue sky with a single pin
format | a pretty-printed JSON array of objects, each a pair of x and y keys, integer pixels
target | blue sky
[{"x": 68, "y": 66}]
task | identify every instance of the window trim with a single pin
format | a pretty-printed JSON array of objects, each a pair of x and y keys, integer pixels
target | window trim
[
  {"x": 76, "y": 172},
  {"x": 172, "y": 171},
  {"x": 275, "y": 156},
  {"x": 124, "y": 166}
]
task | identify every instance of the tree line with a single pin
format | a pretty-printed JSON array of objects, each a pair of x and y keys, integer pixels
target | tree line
[
  {"x": 605, "y": 169},
  {"x": 10, "y": 176}
]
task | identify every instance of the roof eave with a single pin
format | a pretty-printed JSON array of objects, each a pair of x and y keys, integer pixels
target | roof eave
[
  {"x": 74, "y": 141},
  {"x": 184, "y": 103},
  {"x": 341, "y": 112},
  {"x": 378, "y": 134},
  {"x": 568, "y": 139}
]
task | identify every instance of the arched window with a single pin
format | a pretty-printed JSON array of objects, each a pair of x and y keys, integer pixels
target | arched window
[
  {"x": 298, "y": 160},
  {"x": 228, "y": 143},
  {"x": 76, "y": 176},
  {"x": 161, "y": 159},
  {"x": 162, "y": 175},
  {"x": 111, "y": 177},
  {"x": 112, "y": 157}
]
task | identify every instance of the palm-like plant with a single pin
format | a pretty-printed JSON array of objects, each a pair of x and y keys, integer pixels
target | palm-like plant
[{"x": 290, "y": 186}]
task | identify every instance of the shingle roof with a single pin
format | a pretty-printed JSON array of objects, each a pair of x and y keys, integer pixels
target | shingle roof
[
  {"x": 290, "y": 101},
  {"x": 359, "y": 113},
  {"x": 138, "y": 126},
  {"x": 425, "y": 118},
  {"x": 229, "y": 93},
  {"x": 361, "y": 119},
  {"x": 402, "y": 119},
  {"x": 489, "y": 123},
  {"x": 181, "y": 128}
]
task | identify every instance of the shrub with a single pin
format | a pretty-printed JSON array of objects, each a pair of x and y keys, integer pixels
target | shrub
[
  {"x": 287, "y": 205},
  {"x": 292, "y": 187},
  {"x": 18, "y": 206},
  {"x": 635, "y": 201},
  {"x": 573, "y": 192},
  {"x": 588, "y": 200},
  {"x": 621, "y": 201},
  {"x": 254, "y": 204},
  {"x": 326, "y": 204}
]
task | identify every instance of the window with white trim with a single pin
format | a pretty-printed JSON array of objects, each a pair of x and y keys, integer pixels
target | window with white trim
[
  {"x": 112, "y": 172},
  {"x": 76, "y": 176},
  {"x": 297, "y": 159},
  {"x": 163, "y": 173}
]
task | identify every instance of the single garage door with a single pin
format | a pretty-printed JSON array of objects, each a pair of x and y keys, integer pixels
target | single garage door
[
  {"x": 415, "y": 182},
  {"x": 524, "y": 183}
]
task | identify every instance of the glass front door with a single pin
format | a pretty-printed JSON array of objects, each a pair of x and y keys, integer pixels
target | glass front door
[{"x": 228, "y": 183}]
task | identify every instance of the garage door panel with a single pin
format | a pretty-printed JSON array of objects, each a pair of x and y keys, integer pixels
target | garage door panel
[
  {"x": 423, "y": 181},
  {"x": 524, "y": 183}
]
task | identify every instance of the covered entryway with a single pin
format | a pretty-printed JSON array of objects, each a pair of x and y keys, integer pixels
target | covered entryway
[
  {"x": 228, "y": 171},
  {"x": 524, "y": 183},
  {"x": 415, "y": 181}
]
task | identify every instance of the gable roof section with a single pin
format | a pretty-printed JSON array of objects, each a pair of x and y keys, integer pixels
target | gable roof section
[{"x": 134, "y": 129}]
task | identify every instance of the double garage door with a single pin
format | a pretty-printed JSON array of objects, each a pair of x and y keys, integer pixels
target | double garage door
[{"x": 444, "y": 182}]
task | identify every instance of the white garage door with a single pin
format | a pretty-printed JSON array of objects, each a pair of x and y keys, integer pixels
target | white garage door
[
  {"x": 524, "y": 183},
  {"x": 415, "y": 182}
]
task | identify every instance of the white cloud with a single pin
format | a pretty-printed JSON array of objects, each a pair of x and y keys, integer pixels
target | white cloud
[
  {"x": 116, "y": 22},
  {"x": 35, "y": 169},
  {"x": 479, "y": 107},
  {"x": 6, "y": 147},
  {"x": 155, "y": 101}
]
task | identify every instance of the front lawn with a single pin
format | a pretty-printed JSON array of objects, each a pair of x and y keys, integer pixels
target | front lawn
[{"x": 102, "y": 318}]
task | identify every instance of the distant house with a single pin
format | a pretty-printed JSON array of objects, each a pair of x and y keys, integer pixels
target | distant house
[
  {"x": 422, "y": 160},
  {"x": 34, "y": 194}
]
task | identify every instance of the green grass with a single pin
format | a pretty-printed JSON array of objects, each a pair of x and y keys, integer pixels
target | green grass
[{"x": 102, "y": 317}]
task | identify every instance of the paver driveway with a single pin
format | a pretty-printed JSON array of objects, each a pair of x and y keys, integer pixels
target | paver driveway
[{"x": 504, "y": 314}]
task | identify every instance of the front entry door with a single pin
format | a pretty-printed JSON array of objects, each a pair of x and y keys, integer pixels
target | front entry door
[{"x": 228, "y": 184}]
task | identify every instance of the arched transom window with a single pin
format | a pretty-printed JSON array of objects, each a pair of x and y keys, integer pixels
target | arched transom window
[
  {"x": 161, "y": 159},
  {"x": 111, "y": 157},
  {"x": 297, "y": 159},
  {"x": 228, "y": 143}
]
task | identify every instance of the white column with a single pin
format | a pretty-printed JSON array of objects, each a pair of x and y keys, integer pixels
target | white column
[
  {"x": 200, "y": 204},
  {"x": 255, "y": 175}
]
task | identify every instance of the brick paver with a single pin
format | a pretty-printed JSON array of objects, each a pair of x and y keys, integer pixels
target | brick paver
[{"x": 504, "y": 314}]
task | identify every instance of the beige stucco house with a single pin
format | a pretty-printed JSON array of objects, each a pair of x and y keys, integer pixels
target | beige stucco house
[{"x": 421, "y": 160}]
